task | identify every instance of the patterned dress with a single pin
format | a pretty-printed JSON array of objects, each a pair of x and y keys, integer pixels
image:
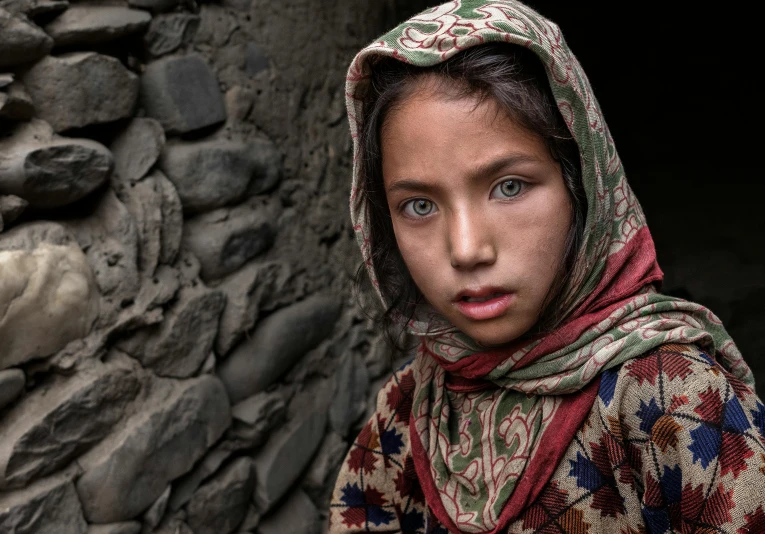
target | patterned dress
[{"x": 673, "y": 443}]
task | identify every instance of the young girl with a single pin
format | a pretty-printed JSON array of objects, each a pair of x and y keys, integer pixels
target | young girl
[{"x": 555, "y": 390}]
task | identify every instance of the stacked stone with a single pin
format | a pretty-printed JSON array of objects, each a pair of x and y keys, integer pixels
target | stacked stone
[{"x": 164, "y": 366}]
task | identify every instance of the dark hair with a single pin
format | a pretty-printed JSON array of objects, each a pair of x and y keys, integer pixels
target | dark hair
[{"x": 515, "y": 78}]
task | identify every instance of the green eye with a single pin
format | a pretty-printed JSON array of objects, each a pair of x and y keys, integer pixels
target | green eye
[
  {"x": 508, "y": 189},
  {"x": 419, "y": 207}
]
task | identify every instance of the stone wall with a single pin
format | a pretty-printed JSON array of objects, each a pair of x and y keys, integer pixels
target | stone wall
[{"x": 180, "y": 350}]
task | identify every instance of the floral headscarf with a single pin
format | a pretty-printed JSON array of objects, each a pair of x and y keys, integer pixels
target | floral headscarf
[{"x": 489, "y": 427}]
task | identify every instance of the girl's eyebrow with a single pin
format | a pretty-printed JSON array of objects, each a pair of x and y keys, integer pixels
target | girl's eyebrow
[{"x": 488, "y": 168}]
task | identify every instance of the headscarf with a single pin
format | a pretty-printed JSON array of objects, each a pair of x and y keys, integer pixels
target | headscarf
[{"x": 488, "y": 427}]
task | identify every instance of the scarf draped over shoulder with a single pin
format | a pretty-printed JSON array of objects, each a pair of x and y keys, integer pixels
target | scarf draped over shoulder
[{"x": 489, "y": 427}]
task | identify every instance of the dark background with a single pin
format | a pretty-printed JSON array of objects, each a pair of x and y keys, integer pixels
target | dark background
[{"x": 677, "y": 85}]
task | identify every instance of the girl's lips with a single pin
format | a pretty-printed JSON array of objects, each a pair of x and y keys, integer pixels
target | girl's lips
[{"x": 487, "y": 309}]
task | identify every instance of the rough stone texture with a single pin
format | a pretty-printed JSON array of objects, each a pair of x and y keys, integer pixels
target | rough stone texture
[
  {"x": 169, "y": 32},
  {"x": 11, "y": 207},
  {"x": 50, "y": 171},
  {"x": 106, "y": 90},
  {"x": 137, "y": 148},
  {"x": 285, "y": 455},
  {"x": 143, "y": 200},
  {"x": 12, "y": 383},
  {"x": 124, "y": 527},
  {"x": 349, "y": 402},
  {"x": 49, "y": 506},
  {"x": 297, "y": 514},
  {"x": 214, "y": 173},
  {"x": 256, "y": 59},
  {"x": 126, "y": 473},
  {"x": 319, "y": 480},
  {"x": 33, "y": 8},
  {"x": 21, "y": 41},
  {"x": 16, "y": 104},
  {"x": 48, "y": 289},
  {"x": 92, "y": 24},
  {"x": 46, "y": 430},
  {"x": 110, "y": 237},
  {"x": 251, "y": 520},
  {"x": 274, "y": 348},
  {"x": 247, "y": 290},
  {"x": 220, "y": 505},
  {"x": 155, "y": 6},
  {"x": 223, "y": 240},
  {"x": 256, "y": 416},
  {"x": 156, "y": 511},
  {"x": 182, "y": 94},
  {"x": 180, "y": 345}
]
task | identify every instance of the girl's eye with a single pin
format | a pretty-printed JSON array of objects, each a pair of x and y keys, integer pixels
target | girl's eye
[
  {"x": 419, "y": 207},
  {"x": 507, "y": 189}
]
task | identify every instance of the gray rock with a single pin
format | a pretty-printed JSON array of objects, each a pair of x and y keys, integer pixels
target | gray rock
[
  {"x": 214, "y": 173},
  {"x": 137, "y": 148},
  {"x": 49, "y": 506},
  {"x": 246, "y": 291},
  {"x": 16, "y": 104},
  {"x": 256, "y": 59},
  {"x": 297, "y": 514},
  {"x": 172, "y": 220},
  {"x": 275, "y": 347},
  {"x": 181, "y": 92},
  {"x": 256, "y": 416},
  {"x": 223, "y": 240},
  {"x": 220, "y": 505},
  {"x": 319, "y": 479},
  {"x": 106, "y": 90},
  {"x": 174, "y": 526},
  {"x": 94, "y": 24},
  {"x": 12, "y": 382},
  {"x": 11, "y": 207},
  {"x": 181, "y": 343},
  {"x": 49, "y": 171},
  {"x": 48, "y": 289},
  {"x": 124, "y": 527},
  {"x": 251, "y": 520},
  {"x": 168, "y": 32},
  {"x": 155, "y": 6},
  {"x": 33, "y": 8},
  {"x": 110, "y": 237},
  {"x": 351, "y": 387},
  {"x": 153, "y": 516},
  {"x": 31, "y": 235},
  {"x": 6, "y": 79},
  {"x": 127, "y": 472},
  {"x": 144, "y": 202},
  {"x": 21, "y": 41},
  {"x": 284, "y": 457},
  {"x": 46, "y": 430}
]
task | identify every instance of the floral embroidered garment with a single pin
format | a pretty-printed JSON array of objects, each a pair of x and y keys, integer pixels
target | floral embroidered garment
[
  {"x": 673, "y": 443},
  {"x": 489, "y": 428}
]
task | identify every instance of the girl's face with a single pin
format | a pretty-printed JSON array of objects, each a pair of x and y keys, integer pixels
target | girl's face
[{"x": 479, "y": 209}]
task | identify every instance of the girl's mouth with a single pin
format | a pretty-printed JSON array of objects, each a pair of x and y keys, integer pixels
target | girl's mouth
[{"x": 484, "y": 307}]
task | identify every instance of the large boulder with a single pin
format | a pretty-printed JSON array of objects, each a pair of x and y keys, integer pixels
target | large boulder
[
  {"x": 94, "y": 24},
  {"x": 106, "y": 90},
  {"x": 46, "y": 429},
  {"x": 177, "y": 423},
  {"x": 47, "y": 289},
  {"x": 181, "y": 92},
  {"x": 21, "y": 41},
  {"x": 275, "y": 348}
]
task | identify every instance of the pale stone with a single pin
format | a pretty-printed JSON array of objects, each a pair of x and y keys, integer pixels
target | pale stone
[
  {"x": 223, "y": 240},
  {"x": 297, "y": 514},
  {"x": 127, "y": 472},
  {"x": 172, "y": 220},
  {"x": 21, "y": 41},
  {"x": 220, "y": 505},
  {"x": 168, "y": 32},
  {"x": 274, "y": 349},
  {"x": 49, "y": 506},
  {"x": 48, "y": 289},
  {"x": 181, "y": 92},
  {"x": 46, "y": 430},
  {"x": 12, "y": 383},
  {"x": 94, "y": 24},
  {"x": 179, "y": 346},
  {"x": 144, "y": 202},
  {"x": 137, "y": 148},
  {"x": 106, "y": 90},
  {"x": 284, "y": 457}
]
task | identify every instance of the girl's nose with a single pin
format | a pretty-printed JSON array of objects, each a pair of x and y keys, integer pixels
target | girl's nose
[{"x": 470, "y": 242}]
